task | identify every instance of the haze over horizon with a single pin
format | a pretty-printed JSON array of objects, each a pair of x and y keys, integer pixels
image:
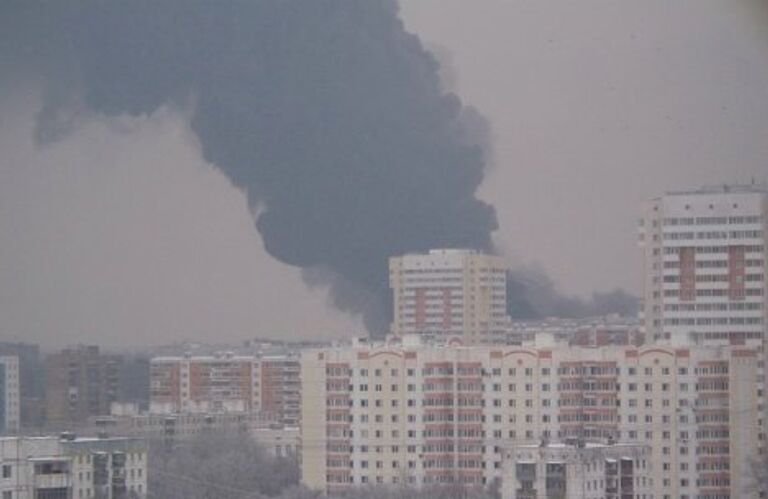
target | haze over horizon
[{"x": 121, "y": 233}]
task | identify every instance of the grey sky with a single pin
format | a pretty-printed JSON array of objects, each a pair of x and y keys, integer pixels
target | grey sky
[
  {"x": 122, "y": 235},
  {"x": 594, "y": 106},
  {"x": 597, "y": 105}
]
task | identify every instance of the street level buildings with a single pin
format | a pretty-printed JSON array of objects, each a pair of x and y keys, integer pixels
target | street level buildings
[
  {"x": 424, "y": 415},
  {"x": 704, "y": 265},
  {"x": 578, "y": 470},
  {"x": 68, "y": 467},
  {"x": 450, "y": 292},
  {"x": 9, "y": 395}
]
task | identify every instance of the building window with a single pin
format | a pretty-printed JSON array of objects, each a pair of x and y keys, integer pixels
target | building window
[{"x": 6, "y": 472}]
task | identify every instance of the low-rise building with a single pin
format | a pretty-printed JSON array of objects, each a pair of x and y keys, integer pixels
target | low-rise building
[
  {"x": 278, "y": 440},
  {"x": 577, "y": 470},
  {"x": 172, "y": 427},
  {"x": 68, "y": 467}
]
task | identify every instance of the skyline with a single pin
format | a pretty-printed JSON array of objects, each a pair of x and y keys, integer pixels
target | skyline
[{"x": 229, "y": 286}]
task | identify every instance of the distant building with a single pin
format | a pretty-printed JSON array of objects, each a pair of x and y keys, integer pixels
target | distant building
[
  {"x": 575, "y": 471},
  {"x": 218, "y": 383},
  {"x": 403, "y": 412},
  {"x": 588, "y": 332},
  {"x": 9, "y": 395},
  {"x": 170, "y": 428},
  {"x": 450, "y": 292},
  {"x": 281, "y": 388},
  {"x": 279, "y": 441},
  {"x": 70, "y": 467},
  {"x": 704, "y": 265},
  {"x": 31, "y": 382},
  {"x": 80, "y": 382},
  {"x": 227, "y": 383}
]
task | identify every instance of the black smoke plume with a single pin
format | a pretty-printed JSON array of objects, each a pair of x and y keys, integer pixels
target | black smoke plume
[
  {"x": 326, "y": 113},
  {"x": 532, "y": 295}
]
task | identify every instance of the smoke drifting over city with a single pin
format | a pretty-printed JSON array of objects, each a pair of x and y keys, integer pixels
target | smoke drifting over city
[
  {"x": 336, "y": 127},
  {"x": 327, "y": 114}
]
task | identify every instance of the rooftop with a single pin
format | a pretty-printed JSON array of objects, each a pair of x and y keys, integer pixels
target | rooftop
[{"x": 753, "y": 188}]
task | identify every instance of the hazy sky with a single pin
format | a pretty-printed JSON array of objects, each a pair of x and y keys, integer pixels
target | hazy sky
[
  {"x": 597, "y": 105},
  {"x": 122, "y": 234}
]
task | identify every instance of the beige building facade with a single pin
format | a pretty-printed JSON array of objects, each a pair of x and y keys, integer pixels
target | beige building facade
[
  {"x": 704, "y": 265},
  {"x": 423, "y": 415},
  {"x": 450, "y": 292},
  {"x": 70, "y": 467}
]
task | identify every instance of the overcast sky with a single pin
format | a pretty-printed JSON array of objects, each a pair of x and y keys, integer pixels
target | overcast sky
[{"x": 122, "y": 234}]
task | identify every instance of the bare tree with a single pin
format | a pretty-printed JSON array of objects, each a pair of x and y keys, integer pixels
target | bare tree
[{"x": 218, "y": 466}]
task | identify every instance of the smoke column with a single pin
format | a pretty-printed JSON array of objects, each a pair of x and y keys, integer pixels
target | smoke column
[{"x": 326, "y": 113}]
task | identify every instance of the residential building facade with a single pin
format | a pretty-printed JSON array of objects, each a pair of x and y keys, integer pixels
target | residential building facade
[
  {"x": 10, "y": 405},
  {"x": 31, "y": 382},
  {"x": 424, "y": 415},
  {"x": 450, "y": 292},
  {"x": 578, "y": 470},
  {"x": 80, "y": 382},
  {"x": 70, "y": 467},
  {"x": 227, "y": 383},
  {"x": 280, "y": 395},
  {"x": 704, "y": 268},
  {"x": 219, "y": 383}
]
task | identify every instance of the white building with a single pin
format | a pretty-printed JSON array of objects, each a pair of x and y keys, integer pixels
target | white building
[
  {"x": 450, "y": 292},
  {"x": 426, "y": 415},
  {"x": 279, "y": 441},
  {"x": 10, "y": 406},
  {"x": 72, "y": 468},
  {"x": 578, "y": 471},
  {"x": 704, "y": 276}
]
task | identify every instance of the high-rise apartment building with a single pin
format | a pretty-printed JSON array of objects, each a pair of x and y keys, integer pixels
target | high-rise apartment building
[
  {"x": 70, "y": 467},
  {"x": 281, "y": 388},
  {"x": 31, "y": 381},
  {"x": 704, "y": 265},
  {"x": 428, "y": 415},
  {"x": 9, "y": 395},
  {"x": 80, "y": 382},
  {"x": 450, "y": 292},
  {"x": 225, "y": 382},
  {"x": 199, "y": 384}
]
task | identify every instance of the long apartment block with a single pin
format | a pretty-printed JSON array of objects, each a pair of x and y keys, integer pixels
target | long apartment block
[
  {"x": 424, "y": 415},
  {"x": 226, "y": 383}
]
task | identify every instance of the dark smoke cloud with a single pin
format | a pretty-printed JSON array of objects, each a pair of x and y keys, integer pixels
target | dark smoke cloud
[
  {"x": 533, "y": 295},
  {"x": 327, "y": 113}
]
